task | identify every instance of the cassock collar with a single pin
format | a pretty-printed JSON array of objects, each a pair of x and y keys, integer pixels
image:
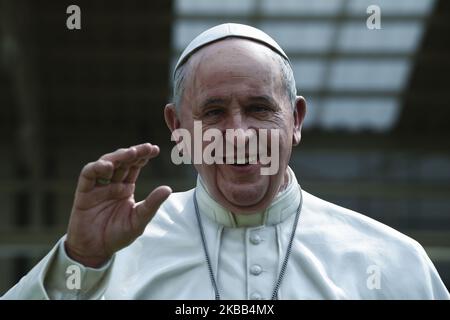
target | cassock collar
[{"x": 285, "y": 203}]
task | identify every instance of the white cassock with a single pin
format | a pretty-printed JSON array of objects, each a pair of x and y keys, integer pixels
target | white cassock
[{"x": 336, "y": 254}]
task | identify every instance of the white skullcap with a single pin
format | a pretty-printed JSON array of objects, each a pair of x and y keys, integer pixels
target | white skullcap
[{"x": 227, "y": 30}]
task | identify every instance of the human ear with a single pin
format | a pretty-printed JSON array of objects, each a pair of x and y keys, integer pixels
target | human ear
[
  {"x": 299, "y": 116},
  {"x": 171, "y": 117}
]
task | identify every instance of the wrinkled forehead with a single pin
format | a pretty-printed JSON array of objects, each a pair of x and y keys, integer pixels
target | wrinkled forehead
[
  {"x": 231, "y": 51},
  {"x": 231, "y": 60},
  {"x": 236, "y": 68}
]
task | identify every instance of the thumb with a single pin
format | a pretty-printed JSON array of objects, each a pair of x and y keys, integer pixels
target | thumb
[{"x": 145, "y": 210}]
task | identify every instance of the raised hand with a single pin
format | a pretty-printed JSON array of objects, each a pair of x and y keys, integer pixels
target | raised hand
[{"x": 105, "y": 217}]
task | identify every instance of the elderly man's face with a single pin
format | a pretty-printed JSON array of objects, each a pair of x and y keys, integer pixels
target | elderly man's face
[{"x": 237, "y": 84}]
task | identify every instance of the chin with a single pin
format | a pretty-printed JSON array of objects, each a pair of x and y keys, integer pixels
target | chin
[
  {"x": 241, "y": 194},
  {"x": 246, "y": 198}
]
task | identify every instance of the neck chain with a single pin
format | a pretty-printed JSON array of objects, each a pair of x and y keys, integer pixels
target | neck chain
[{"x": 283, "y": 266}]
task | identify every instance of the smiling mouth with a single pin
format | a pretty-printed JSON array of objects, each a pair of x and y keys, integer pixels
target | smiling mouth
[{"x": 242, "y": 162}]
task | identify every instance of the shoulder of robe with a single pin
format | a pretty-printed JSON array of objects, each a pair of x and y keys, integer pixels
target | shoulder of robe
[
  {"x": 167, "y": 249},
  {"x": 350, "y": 237},
  {"x": 172, "y": 227},
  {"x": 176, "y": 212},
  {"x": 343, "y": 224}
]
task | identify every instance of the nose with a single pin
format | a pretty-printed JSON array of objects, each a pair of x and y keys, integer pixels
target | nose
[
  {"x": 240, "y": 132},
  {"x": 235, "y": 121}
]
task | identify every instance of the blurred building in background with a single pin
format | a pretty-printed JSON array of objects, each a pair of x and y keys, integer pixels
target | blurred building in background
[{"x": 376, "y": 134}]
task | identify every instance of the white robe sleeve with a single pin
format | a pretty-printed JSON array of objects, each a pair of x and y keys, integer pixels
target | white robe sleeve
[
  {"x": 436, "y": 288},
  {"x": 57, "y": 276}
]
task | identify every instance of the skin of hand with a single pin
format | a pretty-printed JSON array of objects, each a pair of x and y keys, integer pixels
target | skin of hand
[{"x": 105, "y": 217}]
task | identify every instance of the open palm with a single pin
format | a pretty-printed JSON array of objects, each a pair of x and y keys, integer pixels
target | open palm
[{"x": 105, "y": 217}]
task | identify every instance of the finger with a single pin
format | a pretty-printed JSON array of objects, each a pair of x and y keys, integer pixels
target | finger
[
  {"x": 100, "y": 169},
  {"x": 144, "y": 149},
  {"x": 145, "y": 210},
  {"x": 120, "y": 173},
  {"x": 134, "y": 171},
  {"x": 133, "y": 174},
  {"x": 121, "y": 156},
  {"x": 143, "y": 153}
]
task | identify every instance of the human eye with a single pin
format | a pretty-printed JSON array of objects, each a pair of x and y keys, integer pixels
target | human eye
[
  {"x": 259, "y": 108},
  {"x": 214, "y": 112}
]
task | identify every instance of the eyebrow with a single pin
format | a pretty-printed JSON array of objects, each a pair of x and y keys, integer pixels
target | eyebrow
[
  {"x": 213, "y": 101},
  {"x": 254, "y": 99},
  {"x": 264, "y": 99}
]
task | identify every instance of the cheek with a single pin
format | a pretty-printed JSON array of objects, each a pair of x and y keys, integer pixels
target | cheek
[
  {"x": 285, "y": 141},
  {"x": 208, "y": 174},
  {"x": 285, "y": 130},
  {"x": 285, "y": 146},
  {"x": 205, "y": 170}
]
